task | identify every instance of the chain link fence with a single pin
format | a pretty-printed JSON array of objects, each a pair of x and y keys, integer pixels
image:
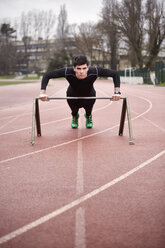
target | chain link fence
[{"x": 146, "y": 74}]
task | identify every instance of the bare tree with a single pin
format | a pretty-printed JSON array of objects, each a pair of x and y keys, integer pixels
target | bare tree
[
  {"x": 25, "y": 33},
  {"x": 35, "y": 25},
  {"x": 62, "y": 31},
  {"x": 63, "y": 26},
  {"x": 130, "y": 16},
  {"x": 43, "y": 23},
  {"x": 108, "y": 27},
  {"x": 87, "y": 40},
  {"x": 7, "y": 49},
  {"x": 61, "y": 47},
  {"x": 49, "y": 20},
  {"x": 155, "y": 17}
]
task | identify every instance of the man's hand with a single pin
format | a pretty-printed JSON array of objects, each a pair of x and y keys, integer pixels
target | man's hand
[
  {"x": 116, "y": 95},
  {"x": 43, "y": 96}
]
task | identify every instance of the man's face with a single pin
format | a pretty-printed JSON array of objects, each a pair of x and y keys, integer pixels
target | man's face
[{"x": 81, "y": 71}]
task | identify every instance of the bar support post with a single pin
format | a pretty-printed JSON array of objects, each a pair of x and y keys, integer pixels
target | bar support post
[
  {"x": 38, "y": 124},
  {"x": 122, "y": 119},
  {"x": 35, "y": 120},
  {"x": 131, "y": 141},
  {"x": 125, "y": 108}
]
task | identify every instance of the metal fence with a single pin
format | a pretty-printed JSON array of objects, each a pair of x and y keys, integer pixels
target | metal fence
[
  {"x": 145, "y": 73},
  {"x": 159, "y": 72}
]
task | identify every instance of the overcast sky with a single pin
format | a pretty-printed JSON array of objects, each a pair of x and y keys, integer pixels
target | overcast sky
[{"x": 78, "y": 10}]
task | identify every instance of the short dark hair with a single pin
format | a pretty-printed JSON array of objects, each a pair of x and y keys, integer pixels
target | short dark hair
[{"x": 80, "y": 60}]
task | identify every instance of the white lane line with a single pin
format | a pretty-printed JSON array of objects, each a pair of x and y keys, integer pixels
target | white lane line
[
  {"x": 77, "y": 202},
  {"x": 27, "y": 128},
  {"x": 79, "y": 178},
  {"x": 80, "y": 232},
  {"x": 71, "y": 141},
  {"x": 150, "y": 107},
  {"x": 15, "y": 117},
  {"x": 9, "y": 122},
  {"x": 27, "y": 104},
  {"x": 30, "y": 112},
  {"x": 154, "y": 124},
  {"x": 59, "y": 145},
  {"x": 151, "y": 122},
  {"x": 52, "y": 122},
  {"x": 145, "y": 112}
]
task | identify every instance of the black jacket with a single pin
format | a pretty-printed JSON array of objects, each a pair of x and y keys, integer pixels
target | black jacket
[{"x": 81, "y": 87}]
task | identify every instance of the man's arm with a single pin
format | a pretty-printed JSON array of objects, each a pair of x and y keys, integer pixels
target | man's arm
[
  {"x": 45, "y": 80},
  {"x": 103, "y": 72}
]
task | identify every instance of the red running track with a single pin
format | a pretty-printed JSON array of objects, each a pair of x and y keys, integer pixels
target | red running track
[{"x": 82, "y": 188}]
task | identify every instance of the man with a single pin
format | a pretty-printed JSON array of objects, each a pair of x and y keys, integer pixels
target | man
[{"x": 81, "y": 78}]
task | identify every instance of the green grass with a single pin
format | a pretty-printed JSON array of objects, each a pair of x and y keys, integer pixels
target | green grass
[
  {"x": 162, "y": 84},
  {"x": 31, "y": 78},
  {"x": 14, "y": 82},
  {"x": 7, "y": 77}
]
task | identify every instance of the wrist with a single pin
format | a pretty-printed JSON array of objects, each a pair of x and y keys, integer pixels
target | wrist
[
  {"x": 117, "y": 92},
  {"x": 42, "y": 91}
]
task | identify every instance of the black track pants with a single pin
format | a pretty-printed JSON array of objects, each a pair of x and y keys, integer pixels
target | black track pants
[{"x": 76, "y": 104}]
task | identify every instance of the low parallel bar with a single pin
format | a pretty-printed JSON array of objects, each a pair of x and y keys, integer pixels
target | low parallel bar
[
  {"x": 80, "y": 97},
  {"x": 125, "y": 109}
]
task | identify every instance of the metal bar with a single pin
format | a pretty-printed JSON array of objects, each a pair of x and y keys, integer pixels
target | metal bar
[
  {"x": 125, "y": 108},
  {"x": 80, "y": 97},
  {"x": 122, "y": 119},
  {"x": 131, "y": 142},
  {"x": 38, "y": 119},
  {"x": 33, "y": 122}
]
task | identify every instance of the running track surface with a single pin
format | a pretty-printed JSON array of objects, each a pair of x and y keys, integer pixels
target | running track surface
[{"x": 82, "y": 188}]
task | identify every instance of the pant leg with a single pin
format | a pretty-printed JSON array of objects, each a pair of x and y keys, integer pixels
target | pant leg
[
  {"x": 73, "y": 104},
  {"x": 82, "y": 103},
  {"x": 88, "y": 104}
]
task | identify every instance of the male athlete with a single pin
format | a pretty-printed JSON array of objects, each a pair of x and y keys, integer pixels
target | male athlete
[{"x": 81, "y": 78}]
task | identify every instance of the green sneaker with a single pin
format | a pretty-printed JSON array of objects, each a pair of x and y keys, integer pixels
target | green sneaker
[
  {"x": 89, "y": 122},
  {"x": 74, "y": 123}
]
